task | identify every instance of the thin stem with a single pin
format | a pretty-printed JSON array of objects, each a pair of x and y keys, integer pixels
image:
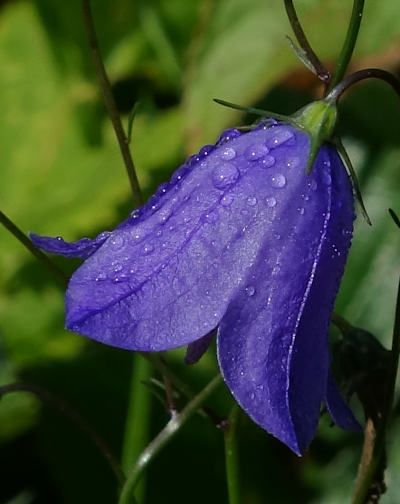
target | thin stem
[
  {"x": 163, "y": 438},
  {"x": 378, "y": 438},
  {"x": 320, "y": 70},
  {"x": 109, "y": 101},
  {"x": 137, "y": 421},
  {"x": 368, "y": 73},
  {"x": 349, "y": 43},
  {"x": 66, "y": 410},
  {"x": 58, "y": 274},
  {"x": 232, "y": 456}
]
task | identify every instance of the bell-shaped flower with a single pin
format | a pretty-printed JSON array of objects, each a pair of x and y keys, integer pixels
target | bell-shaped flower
[{"x": 241, "y": 240}]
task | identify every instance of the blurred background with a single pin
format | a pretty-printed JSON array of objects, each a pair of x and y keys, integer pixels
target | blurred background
[{"x": 61, "y": 173}]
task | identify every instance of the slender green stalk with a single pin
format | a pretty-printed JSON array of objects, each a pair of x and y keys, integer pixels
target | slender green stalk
[
  {"x": 58, "y": 274},
  {"x": 232, "y": 456},
  {"x": 349, "y": 44},
  {"x": 67, "y": 411},
  {"x": 379, "y": 441},
  {"x": 367, "y": 73},
  {"x": 109, "y": 101},
  {"x": 306, "y": 54},
  {"x": 163, "y": 438},
  {"x": 137, "y": 418}
]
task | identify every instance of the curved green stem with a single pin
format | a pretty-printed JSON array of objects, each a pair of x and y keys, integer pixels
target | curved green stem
[
  {"x": 367, "y": 73},
  {"x": 163, "y": 438},
  {"x": 349, "y": 44},
  {"x": 306, "y": 54},
  {"x": 379, "y": 441},
  {"x": 232, "y": 456}
]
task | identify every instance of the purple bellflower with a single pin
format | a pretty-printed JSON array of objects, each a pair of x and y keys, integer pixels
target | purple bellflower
[{"x": 243, "y": 240}]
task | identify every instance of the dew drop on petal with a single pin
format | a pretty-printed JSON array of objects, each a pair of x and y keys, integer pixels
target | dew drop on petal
[
  {"x": 326, "y": 178},
  {"x": 293, "y": 162},
  {"x": 228, "y": 153},
  {"x": 280, "y": 136},
  {"x": 250, "y": 290},
  {"x": 225, "y": 175},
  {"x": 227, "y": 200},
  {"x": 271, "y": 202},
  {"x": 255, "y": 152},
  {"x": 252, "y": 201},
  {"x": 148, "y": 249},
  {"x": 312, "y": 185},
  {"x": 268, "y": 161},
  {"x": 117, "y": 242},
  {"x": 301, "y": 210},
  {"x": 278, "y": 180}
]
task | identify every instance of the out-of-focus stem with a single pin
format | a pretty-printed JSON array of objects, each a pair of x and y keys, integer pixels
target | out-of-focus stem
[
  {"x": 163, "y": 438},
  {"x": 232, "y": 456}
]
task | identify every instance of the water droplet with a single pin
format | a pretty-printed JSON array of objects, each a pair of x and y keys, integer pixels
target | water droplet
[
  {"x": 227, "y": 135},
  {"x": 301, "y": 210},
  {"x": 159, "y": 232},
  {"x": 148, "y": 249},
  {"x": 250, "y": 290},
  {"x": 278, "y": 180},
  {"x": 280, "y": 136},
  {"x": 313, "y": 185},
  {"x": 293, "y": 162},
  {"x": 117, "y": 241},
  {"x": 252, "y": 396},
  {"x": 227, "y": 200},
  {"x": 326, "y": 178},
  {"x": 252, "y": 201},
  {"x": 225, "y": 175},
  {"x": 268, "y": 161},
  {"x": 228, "y": 154},
  {"x": 255, "y": 152},
  {"x": 59, "y": 238},
  {"x": 271, "y": 202},
  {"x": 305, "y": 197},
  {"x": 117, "y": 268}
]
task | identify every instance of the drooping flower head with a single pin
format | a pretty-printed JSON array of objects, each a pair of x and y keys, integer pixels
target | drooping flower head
[{"x": 242, "y": 240}]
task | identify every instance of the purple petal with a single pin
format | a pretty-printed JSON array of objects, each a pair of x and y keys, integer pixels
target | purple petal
[
  {"x": 197, "y": 349},
  {"x": 272, "y": 342},
  {"x": 338, "y": 409},
  {"x": 167, "y": 275},
  {"x": 82, "y": 248}
]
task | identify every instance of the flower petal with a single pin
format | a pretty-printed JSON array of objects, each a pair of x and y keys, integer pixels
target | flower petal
[
  {"x": 272, "y": 345},
  {"x": 82, "y": 248},
  {"x": 165, "y": 278},
  {"x": 338, "y": 409}
]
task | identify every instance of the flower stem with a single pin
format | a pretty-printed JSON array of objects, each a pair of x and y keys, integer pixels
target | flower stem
[
  {"x": 232, "y": 457},
  {"x": 109, "y": 101},
  {"x": 58, "y": 274},
  {"x": 163, "y": 438},
  {"x": 66, "y": 410},
  {"x": 349, "y": 43},
  {"x": 367, "y": 73},
  {"x": 375, "y": 453},
  {"x": 318, "y": 67},
  {"x": 137, "y": 418}
]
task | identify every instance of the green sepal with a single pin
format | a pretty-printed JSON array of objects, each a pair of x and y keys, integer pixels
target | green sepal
[{"x": 318, "y": 119}]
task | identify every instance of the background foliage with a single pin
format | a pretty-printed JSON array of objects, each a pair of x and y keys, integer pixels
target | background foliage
[{"x": 61, "y": 173}]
